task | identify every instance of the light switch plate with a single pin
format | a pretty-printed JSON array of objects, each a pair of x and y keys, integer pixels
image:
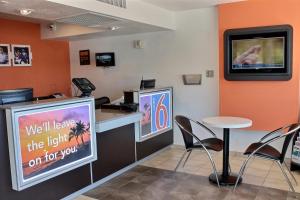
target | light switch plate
[{"x": 210, "y": 73}]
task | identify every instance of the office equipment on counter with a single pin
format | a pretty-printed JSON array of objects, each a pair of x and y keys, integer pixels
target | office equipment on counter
[
  {"x": 52, "y": 96},
  {"x": 100, "y": 101},
  {"x": 16, "y": 95},
  {"x": 127, "y": 103},
  {"x": 131, "y": 97},
  {"x": 121, "y": 106},
  {"x": 84, "y": 85},
  {"x": 147, "y": 84}
]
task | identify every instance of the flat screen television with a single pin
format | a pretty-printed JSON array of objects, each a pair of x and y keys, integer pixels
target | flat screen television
[
  {"x": 105, "y": 59},
  {"x": 261, "y": 53},
  {"x": 16, "y": 95}
]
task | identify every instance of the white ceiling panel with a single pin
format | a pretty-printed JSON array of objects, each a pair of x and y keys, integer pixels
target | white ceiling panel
[
  {"x": 41, "y": 9},
  {"x": 181, "y": 5},
  {"x": 88, "y": 19}
]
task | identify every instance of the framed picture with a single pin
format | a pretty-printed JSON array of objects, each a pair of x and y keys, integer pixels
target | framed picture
[
  {"x": 21, "y": 55},
  {"x": 84, "y": 57},
  {"x": 5, "y": 56}
]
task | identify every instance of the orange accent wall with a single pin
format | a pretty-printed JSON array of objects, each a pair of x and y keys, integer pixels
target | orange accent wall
[
  {"x": 50, "y": 70},
  {"x": 270, "y": 104}
]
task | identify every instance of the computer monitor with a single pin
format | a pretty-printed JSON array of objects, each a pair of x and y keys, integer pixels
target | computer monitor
[
  {"x": 16, "y": 95},
  {"x": 147, "y": 84}
]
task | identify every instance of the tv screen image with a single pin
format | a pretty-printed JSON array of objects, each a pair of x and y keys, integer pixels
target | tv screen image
[
  {"x": 105, "y": 59},
  {"x": 258, "y": 53}
]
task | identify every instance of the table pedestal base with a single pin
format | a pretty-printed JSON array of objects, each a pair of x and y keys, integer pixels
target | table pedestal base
[{"x": 224, "y": 181}]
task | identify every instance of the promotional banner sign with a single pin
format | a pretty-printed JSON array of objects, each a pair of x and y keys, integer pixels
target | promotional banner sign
[
  {"x": 157, "y": 112},
  {"x": 49, "y": 141}
]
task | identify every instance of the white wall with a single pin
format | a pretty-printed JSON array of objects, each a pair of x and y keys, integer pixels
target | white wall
[{"x": 192, "y": 48}]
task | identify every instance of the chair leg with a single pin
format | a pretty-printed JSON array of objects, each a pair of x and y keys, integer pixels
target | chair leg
[
  {"x": 187, "y": 158},
  {"x": 180, "y": 160},
  {"x": 213, "y": 165},
  {"x": 291, "y": 174},
  {"x": 286, "y": 177},
  {"x": 241, "y": 172}
]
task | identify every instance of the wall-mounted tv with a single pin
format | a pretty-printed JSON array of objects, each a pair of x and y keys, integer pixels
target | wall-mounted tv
[
  {"x": 261, "y": 53},
  {"x": 105, "y": 59}
]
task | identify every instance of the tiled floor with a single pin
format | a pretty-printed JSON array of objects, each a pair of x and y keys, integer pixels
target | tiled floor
[
  {"x": 259, "y": 172},
  {"x": 155, "y": 179},
  {"x": 146, "y": 183}
]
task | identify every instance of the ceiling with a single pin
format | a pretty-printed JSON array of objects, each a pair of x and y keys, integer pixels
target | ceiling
[
  {"x": 181, "y": 5},
  {"x": 46, "y": 12},
  {"x": 50, "y": 11},
  {"x": 42, "y": 9}
]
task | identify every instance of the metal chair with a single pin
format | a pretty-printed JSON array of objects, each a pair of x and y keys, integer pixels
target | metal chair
[
  {"x": 215, "y": 144},
  {"x": 263, "y": 150}
]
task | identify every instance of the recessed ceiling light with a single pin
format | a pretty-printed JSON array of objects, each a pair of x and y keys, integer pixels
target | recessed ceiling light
[
  {"x": 113, "y": 28},
  {"x": 25, "y": 11},
  {"x": 96, "y": 26},
  {"x": 5, "y": 2}
]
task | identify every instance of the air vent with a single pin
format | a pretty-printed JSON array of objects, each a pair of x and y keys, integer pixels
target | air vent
[
  {"x": 118, "y": 3},
  {"x": 88, "y": 19}
]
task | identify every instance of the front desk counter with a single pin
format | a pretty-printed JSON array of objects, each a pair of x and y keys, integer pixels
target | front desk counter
[
  {"x": 116, "y": 149},
  {"x": 115, "y": 141}
]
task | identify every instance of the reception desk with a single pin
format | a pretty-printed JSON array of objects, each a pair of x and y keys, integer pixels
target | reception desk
[
  {"x": 116, "y": 150},
  {"x": 115, "y": 142}
]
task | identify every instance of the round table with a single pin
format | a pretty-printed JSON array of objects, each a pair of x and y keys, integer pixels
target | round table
[{"x": 226, "y": 123}]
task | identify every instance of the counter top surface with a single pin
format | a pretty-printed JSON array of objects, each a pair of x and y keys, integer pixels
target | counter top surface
[
  {"x": 107, "y": 120},
  {"x": 102, "y": 116},
  {"x": 149, "y": 89}
]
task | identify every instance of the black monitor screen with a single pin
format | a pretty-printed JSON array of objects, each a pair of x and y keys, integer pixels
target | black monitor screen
[
  {"x": 16, "y": 95},
  {"x": 147, "y": 84},
  {"x": 105, "y": 59},
  {"x": 258, "y": 54}
]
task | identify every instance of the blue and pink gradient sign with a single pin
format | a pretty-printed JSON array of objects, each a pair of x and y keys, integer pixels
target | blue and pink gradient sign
[
  {"x": 157, "y": 112},
  {"x": 161, "y": 111},
  {"x": 51, "y": 139}
]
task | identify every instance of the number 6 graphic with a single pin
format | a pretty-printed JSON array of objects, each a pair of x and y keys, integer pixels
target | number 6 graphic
[{"x": 161, "y": 107}]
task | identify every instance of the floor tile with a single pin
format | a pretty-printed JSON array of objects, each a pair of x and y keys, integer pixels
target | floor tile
[
  {"x": 259, "y": 171},
  {"x": 82, "y": 197},
  {"x": 156, "y": 179},
  {"x": 145, "y": 183}
]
